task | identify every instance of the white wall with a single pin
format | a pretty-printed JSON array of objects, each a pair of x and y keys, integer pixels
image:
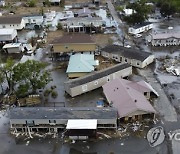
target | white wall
[
  {"x": 13, "y": 26},
  {"x": 132, "y": 30},
  {"x": 33, "y": 20},
  {"x": 8, "y": 37},
  {"x": 97, "y": 83},
  {"x": 53, "y": 1}
]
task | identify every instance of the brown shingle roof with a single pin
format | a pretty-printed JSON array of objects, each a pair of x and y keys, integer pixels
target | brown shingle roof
[
  {"x": 10, "y": 20},
  {"x": 73, "y": 38}
]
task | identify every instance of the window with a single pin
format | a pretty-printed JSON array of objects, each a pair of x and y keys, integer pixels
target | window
[
  {"x": 137, "y": 63},
  {"x": 84, "y": 88},
  {"x": 52, "y": 121},
  {"x": 30, "y": 122},
  {"x": 108, "y": 78},
  {"x": 120, "y": 58},
  {"x": 96, "y": 83},
  {"x": 125, "y": 60},
  {"x": 107, "y": 55}
]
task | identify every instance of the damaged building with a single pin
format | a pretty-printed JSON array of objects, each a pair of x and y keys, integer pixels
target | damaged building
[
  {"x": 97, "y": 79},
  {"x": 165, "y": 39},
  {"x": 130, "y": 98},
  {"x": 84, "y": 24},
  {"x": 78, "y": 122},
  {"x": 132, "y": 56}
]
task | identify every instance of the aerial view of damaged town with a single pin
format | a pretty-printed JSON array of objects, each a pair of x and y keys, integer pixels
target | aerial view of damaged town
[{"x": 89, "y": 76}]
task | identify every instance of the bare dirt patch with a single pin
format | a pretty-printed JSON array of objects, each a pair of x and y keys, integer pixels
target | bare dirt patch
[
  {"x": 102, "y": 39},
  {"x": 32, "y": 10},
  {"x": 70, "y": 2},
  {"x": 104, "y": 63},
  {"x": 54, "y": 34}
]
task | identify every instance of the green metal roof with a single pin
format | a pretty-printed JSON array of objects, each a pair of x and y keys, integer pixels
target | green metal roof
[{"x": 81, "y": 63}]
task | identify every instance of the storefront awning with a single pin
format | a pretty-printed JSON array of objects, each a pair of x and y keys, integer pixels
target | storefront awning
[{"x": 82, "y": 124}]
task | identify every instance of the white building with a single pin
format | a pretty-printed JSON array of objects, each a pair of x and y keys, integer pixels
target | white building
[
  {"x": 139, "y": 28},
  {"x": 83, "y": 24},
  {"x": 94, "y": 80},
  {"x": 33, "y": 19},
  {"x": 2, "y": 3},
  {"x": 131, "y": 56},
  {"x": 165, "y": 39},
  {"x": 12, "y": 22},
  {"x": 13, "y": 47},
  {"x": 128, "y": 12},
  {"x": 7, "y": 35},
  {"x": 49, "y": 17},
  {"x": 55, "y": 1},
  {"x": 57, "y": 118}
]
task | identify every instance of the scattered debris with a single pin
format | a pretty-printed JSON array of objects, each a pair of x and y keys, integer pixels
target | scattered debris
[
  {"x": 105, "y": 135},
  {"x": 174, "y": 70},
  {"x": 27, "y": 143},
  {"x": 73, "y": 141}
]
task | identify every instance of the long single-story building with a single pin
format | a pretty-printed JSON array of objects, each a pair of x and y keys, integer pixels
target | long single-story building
[
  {"x": 131, "y": 56},
  {"x": 139, "y": 28},
  {"x": 129, "y": 98},
  {"x": 97, "y": 79},
  {"x": 74, "y": 43},
  {"x": 12, "y": 22},
  {"x": 8, "y": 35},
  {"x": 54, "y": 119},
  {"x": 165, "y": 39},
  {"x": 81, "y": 24}
]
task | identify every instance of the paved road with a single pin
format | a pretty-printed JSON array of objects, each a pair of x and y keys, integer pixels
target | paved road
[
  {"x": 113, "y": 12},
  {"x": 162, "y": 104},
  {"x": 119, "y": 24}
]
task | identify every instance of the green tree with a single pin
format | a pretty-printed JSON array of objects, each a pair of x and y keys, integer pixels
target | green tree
[
  {"x": 7, "y": 73},
  {"x": 140, "y": 14},
  {"x": 47, "y": 3},
  {"x": 119, "y": 8},
  {"x": 59, "y": 26},
  {"x": 22, "y": 90},
  {"x": 62, "y": 3},
  {"x": 1, "y": 79},
  {"x": 167, "y": 9},
  {"x": 31, "y": 76},
  {"x": 32, "y": 3}
]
